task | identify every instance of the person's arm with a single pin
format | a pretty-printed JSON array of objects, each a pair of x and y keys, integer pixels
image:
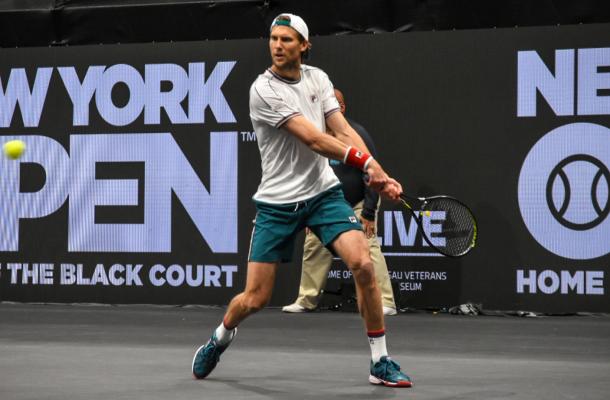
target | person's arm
[
  {"x": 369, "y": 211},
  {"x": 316, "y": 140},
  {"x": 377, "y": 177},
  {"x": 371, "y": 197},
  {"x": 331, "y": 147},
  {"x": 343, "y": 131}
]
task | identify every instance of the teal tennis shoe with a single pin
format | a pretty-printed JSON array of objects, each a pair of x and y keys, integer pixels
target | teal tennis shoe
[
  {"x": 207, "y": 356},
  {"x": 387, "y": 372}
]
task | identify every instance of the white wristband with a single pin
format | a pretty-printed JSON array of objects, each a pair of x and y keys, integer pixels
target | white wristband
[{"x": 346, "y": 154}]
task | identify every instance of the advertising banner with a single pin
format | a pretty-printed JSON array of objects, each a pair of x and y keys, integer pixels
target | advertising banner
[{"x": 141, "y": 160}]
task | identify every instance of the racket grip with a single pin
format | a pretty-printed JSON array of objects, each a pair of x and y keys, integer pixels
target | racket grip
[{"x": 366, "y": 178}]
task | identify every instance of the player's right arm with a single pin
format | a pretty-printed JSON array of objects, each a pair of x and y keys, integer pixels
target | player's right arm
[
  {"x": 331, "y": 147},
  {"x": 270, "y": 105},
  {"x": 316, "y": 140}
]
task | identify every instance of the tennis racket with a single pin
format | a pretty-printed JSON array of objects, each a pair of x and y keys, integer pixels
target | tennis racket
[{"x": 446, "y": 224}]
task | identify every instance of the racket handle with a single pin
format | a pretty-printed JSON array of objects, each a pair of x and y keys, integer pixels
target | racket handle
[{"x": 366, "y": 178}]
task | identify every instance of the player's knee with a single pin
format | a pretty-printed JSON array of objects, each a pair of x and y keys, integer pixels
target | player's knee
[
  {"x": 255, "y": 302},
  {"x": 363, "y": 272},
  {"x": 360, "y": 264}
]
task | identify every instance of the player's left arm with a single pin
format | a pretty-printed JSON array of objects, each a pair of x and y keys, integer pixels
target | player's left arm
[
  {"x": 343, "y": 131},
  {"x": 378, "y": 179}
]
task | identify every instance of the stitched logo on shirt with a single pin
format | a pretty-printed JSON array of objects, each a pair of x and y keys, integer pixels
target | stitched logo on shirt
[
  {"x": 353, "y": 219},
  {"x": 314, "y": 98}
]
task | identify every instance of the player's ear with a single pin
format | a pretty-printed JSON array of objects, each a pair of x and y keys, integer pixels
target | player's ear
[{"x": 305, "y": 46}]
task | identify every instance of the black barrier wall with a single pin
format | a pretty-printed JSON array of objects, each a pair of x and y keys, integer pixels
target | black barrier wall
[
  {"x": 141, "y": 161},
  {"x": 82, "y": 22}
]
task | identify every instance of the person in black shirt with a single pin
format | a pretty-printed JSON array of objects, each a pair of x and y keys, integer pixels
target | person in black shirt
[{"x": 317, "y": 259}]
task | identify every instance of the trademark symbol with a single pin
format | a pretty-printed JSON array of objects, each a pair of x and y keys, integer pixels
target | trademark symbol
[{"x": 247, "y": 136}]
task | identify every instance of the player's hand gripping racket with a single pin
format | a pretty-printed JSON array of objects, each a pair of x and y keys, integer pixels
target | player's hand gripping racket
[{"x": 458, "y": 227}]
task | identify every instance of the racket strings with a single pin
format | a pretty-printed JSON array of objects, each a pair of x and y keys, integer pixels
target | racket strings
[{"x": 458, "y": 228}]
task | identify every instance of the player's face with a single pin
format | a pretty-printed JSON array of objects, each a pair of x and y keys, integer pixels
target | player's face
[{"x": 285, "y": 47}]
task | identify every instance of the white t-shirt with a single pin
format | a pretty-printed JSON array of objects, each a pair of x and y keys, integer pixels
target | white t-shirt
[{"x": 291, "y": 171}]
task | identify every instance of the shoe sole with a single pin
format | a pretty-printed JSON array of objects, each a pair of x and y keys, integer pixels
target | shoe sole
[{"x": 376, "y": 381}]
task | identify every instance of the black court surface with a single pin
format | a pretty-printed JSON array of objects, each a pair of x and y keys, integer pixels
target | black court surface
[{"x": 144, "y": 352}]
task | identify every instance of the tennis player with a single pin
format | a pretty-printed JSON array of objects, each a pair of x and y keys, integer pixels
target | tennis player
[
  {"x": 292, "y": 105},
  {"x": 317, "y": 260}
]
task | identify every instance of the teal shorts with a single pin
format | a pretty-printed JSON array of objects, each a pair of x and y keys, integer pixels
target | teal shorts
[{"x": 276, "y": 226}]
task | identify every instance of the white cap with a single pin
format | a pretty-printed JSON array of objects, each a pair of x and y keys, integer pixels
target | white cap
[{"x": 293, "y": 21}]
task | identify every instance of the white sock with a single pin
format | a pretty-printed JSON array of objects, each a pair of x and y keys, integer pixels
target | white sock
[
  {"x": 223, "y": 334},
  {"x": 378, "y": 347}
]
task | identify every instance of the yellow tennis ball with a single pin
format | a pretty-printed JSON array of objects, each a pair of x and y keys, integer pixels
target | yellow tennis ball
[
  {"x": 13, "y": 149},
  {"x": 427, "y": 213}
]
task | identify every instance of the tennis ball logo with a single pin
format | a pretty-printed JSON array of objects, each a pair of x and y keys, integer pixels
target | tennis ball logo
[
  {"x": 577, "y": 192},
  {"x": 564, "y": 191},
  {"x": 13, "y": 149}
]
